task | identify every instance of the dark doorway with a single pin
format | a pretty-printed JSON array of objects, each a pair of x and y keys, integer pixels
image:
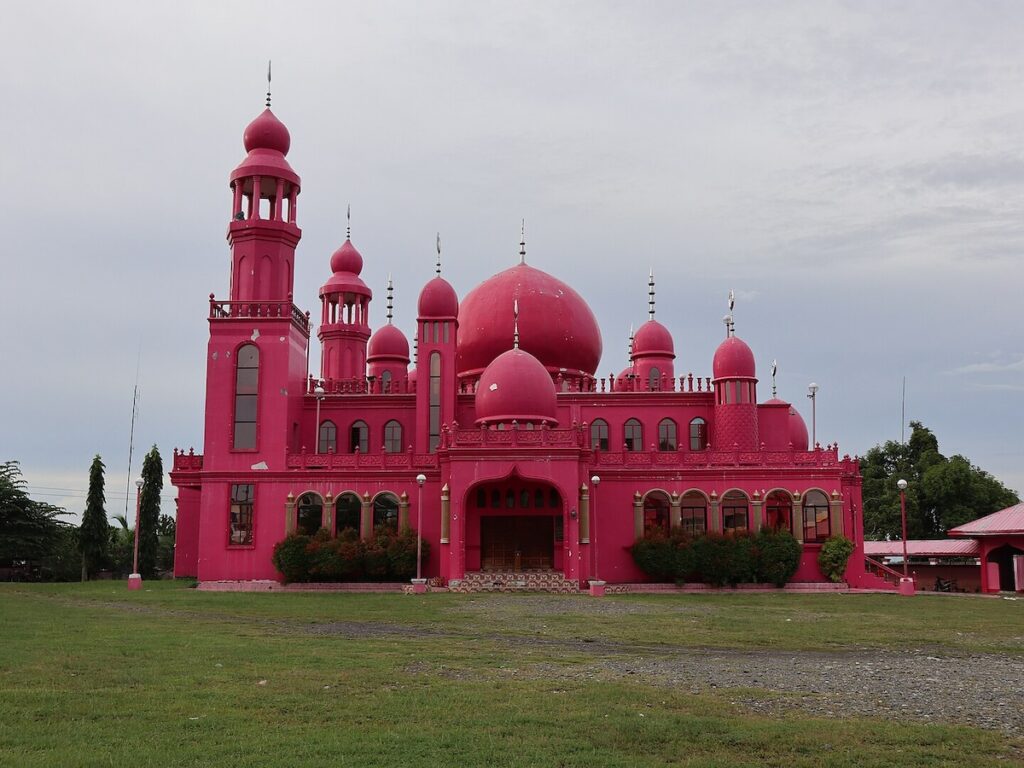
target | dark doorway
[
  {"x": 1004, "y": 557},
  {"x": 523, "y": 542}
]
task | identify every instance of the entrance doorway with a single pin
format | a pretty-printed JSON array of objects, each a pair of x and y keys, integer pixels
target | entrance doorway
[
  {"x": 1004, "y": 557},
  {"x": 517, "y": 542}
]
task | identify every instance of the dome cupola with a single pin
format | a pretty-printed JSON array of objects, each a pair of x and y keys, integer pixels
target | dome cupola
[
  {"x": 733, "y": 360},
  {"x": 516, "y": 387}
]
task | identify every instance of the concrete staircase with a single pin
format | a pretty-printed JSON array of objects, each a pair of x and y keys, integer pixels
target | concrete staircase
[{"x": 514, "y": 581}]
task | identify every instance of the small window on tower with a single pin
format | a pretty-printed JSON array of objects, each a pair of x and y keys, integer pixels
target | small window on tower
[{"x": 241, "y": 516}]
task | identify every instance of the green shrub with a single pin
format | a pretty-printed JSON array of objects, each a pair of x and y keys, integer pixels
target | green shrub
[
  {"x": 402, "y": 555},
  {"x": 655, "y": 555},
  {"x": 712, "y": 554},
  {"x": 685, "y": 558},
  {"x": 375, "y": 557},
  {"x": 832, "y": 559},
  {"x": 291, "y": 559},
  {"x": 778, "y": 556}
]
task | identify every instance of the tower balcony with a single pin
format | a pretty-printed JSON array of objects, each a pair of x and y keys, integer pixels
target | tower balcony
[{"x": 259, "y": 310}]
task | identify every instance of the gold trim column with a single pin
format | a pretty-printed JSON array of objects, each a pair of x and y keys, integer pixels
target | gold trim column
[
  {"x": 835, "y": 514},
  {"x": 290, "y": 521},
  {"x": 714, "y": 512},
  {"x": 446, "y": 514},
  {"x": 584, "y": 514},
  {"x": 638, "y": 516},
  {"x": 365, "y": 517},
  {"x": 675, "y": 516},
  {"x": 757, "y": 511},
  {"x": 403, "y": 511},
  {"x": 328, "y": 520},
  {"x": 798, "y": 517}
]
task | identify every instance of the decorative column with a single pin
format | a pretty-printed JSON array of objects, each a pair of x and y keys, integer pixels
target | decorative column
[
  {"x": 715, "y": 523},
  {"x": 328, "y": 521},
  {"x": 638, "y": 516},
  {"x": 798, "y": 517},
  {"x": 584, "y": 514},
  {"x": 446, "y": 514},
  {"x": 756, "y": 511},
  {"x": 675, "y": 503},
  {"x": 290, "y": 521},
  {"x": 835, "y": 514},
  {"x": 365, "y": 517},
  {"x": 403, "y": 511}
]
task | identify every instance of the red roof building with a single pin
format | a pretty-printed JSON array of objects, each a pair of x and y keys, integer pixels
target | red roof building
[{"x": 1000, "y": 541}]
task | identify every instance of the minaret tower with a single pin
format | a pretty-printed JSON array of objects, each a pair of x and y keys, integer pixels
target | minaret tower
[
  {"x": 735, "y": 381},
  {"x": 652, "y": 350},
  {"x": 437, "y": 323},
  {"x": 345, "y": 322}
]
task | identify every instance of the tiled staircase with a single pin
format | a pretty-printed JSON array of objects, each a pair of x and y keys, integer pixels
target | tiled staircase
[{"x": 514, "y": 581}]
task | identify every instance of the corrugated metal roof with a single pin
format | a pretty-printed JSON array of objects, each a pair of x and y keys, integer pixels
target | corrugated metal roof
[
  {"x": 924, "y": 548},
  {"x": 1005, "y": 521}
]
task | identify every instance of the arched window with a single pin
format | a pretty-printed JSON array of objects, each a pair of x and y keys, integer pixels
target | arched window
[
  {"x": 359, "y": 437},
  {"x": 247, "y": 374},
  {"x": 599, "y": 435},
  {"x": 392, "y": 437},
  {"x": 667, "y": 435},
  {"x": 310, "y": 515},
  {"x": 816, "y": 518},
  {"x": 734, "y": 512},
  {"x": 347, "y": 512},
  {"x": 778, "y": 511},
  {"x": 693, "y": 514},
  {"x": 698, "y": 434},
  {"x": 634, "y": 435},
  {"x": 385, "y": 511},
  {"x": 385, "y": 381},
  {"x": 654, "y": 380},
  {"x": 656, "y": 513},
  {"x": 435, "y": 398},
  {"x": 328, "y": 439}
]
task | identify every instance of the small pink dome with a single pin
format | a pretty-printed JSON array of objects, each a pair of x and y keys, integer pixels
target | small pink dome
[
  {"x": 622, "y": 381},
  {"x": 267, "y": 132},
  {"x": 653, "y": 339},
  {"x": 515, "y": 386},
  {"x": 438, "y": 299},
  {"x": 347, "y": 259},
  {"x": 797, "y": 430},
  {"x": 733, "y": 360},
  {"x": 387, "y": 342}
]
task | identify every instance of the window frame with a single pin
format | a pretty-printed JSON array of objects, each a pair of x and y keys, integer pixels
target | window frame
[
  {"x": 363, "y": 441},
  {"x": 601, "y": 438},
  {"x": 668, "y": 442},
  {"x": 818, "y": 538},
  {"x": 393, "y": 436},
  {"x": 327, "y": 443},
  {"x": 698, "y": 434},
  {"x": 242, "y": 507},
  {"x": 633, "y": 442},
  {"x": 253, "y": 396}
]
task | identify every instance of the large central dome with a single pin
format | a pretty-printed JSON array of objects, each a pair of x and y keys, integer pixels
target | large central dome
[{"x": 555, "y": 324}]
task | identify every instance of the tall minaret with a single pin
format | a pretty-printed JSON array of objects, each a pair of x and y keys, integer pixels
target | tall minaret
[
  {"x": 437, "y": 323},
  {"x": 345, "y": 321}
]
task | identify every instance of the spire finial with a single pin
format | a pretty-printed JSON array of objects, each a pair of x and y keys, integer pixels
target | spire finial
[
  {"x": 415, "y": 348},
  {"x": 650, "y": 293},
  {"x": 515, "y": 324},
  {"x": 437, "y": 268},
  {"x": 730, "y": 322},
  {"x": 268, "y": 84},
  {"x": 522, "y": 244},
  {"x": 775, "y": 368},
  {"x": 391, "y": 298},
  {"x": 348, "y": 222},
  {"x": 629, "y": 348}
]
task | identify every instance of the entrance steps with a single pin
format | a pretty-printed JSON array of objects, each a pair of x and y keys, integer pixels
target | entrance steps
[{"x": 514, "y": 581}]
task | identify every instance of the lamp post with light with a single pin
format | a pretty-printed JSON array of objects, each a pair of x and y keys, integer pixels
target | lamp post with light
[
  {"x": 596, "y": 585},
  {"x": 135, "y": 578},
  {"x": 906, "y": 583},
  {"x": 319, "y": 392},
  {"x": 812, "y": 393},
  {"x": 419, "y": 584}
]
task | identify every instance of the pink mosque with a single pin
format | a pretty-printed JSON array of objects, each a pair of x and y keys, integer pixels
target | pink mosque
[{"x": 497, "y": 437}]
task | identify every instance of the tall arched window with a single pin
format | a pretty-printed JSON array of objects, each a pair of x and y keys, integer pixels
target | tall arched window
[
  {"x": 698, "y": 434},
  {"x": 347, "y": 511},
  {"x": 734, "y": 511},
  {"x": 599, "y": 435},
  {"x": 435, "y": 398},
  {"x": 247, "y": 374},
  {"x": 385, "y": 381},
  {"x": 327, "y": 442},
  {"x": 310, "y": 516},
  {"x": 385, "y": 511},
  {"x": 816, "y": 518},
  {"x": 667, "y": 435},
  {"x": 654, "y": 380},
  {"x": 359, "y": 437},
  {"x": 392, "y": 437},
  {"x": 634, "y": 435},
  {"x": 778, "y": 511},
  {"x": 693, "y": 513},
  {"x": 656, "y": 513}
]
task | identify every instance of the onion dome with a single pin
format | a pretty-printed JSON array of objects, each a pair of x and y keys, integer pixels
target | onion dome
[
  {"x": 266, "y": 139},
  {"x": 556, "y": 326},
  {"x": 347, "y": 259},
  {"x": 733, "y": 360},
  {"x": 388, "y": 343},
  {"x": 438, "y": 299},
  {"x": 515, "y": 387},
  {"x": 653, "y": 340},
  {"x": 797, "y": 430}
]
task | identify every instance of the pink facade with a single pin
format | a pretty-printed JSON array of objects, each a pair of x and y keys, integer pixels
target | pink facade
[{"x": 502, "y": 410}]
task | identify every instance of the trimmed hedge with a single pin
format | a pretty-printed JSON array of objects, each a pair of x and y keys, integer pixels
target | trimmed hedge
[
  {"x": 720, "y": 559},
  {"x": 834, "y": 554},
  {"x": 388, "y": 555}
]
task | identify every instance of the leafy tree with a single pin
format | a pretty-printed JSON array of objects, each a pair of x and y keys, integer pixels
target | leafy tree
[
  {"x": 942, "y": 493},
  {"x": 94, "y": 533},
  {"x": 149, "y": 512},
  {"x": 29, "y": 530}
]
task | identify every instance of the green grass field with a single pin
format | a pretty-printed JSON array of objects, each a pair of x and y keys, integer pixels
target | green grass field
[{"x": 92, "y": 675}]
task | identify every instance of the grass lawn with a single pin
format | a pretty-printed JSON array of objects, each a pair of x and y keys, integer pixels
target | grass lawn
[{"x": 92, "y": 675}]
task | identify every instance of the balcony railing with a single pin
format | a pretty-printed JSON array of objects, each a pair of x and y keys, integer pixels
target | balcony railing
[
  {"x": 259, "y": 310},
  {"x": 362, "y": 461},
  {"x": 186, "y": 462}
]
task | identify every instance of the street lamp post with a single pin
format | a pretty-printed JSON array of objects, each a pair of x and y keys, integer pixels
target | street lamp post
[
  {"x": 135, "y": 578},
  {"x": 319, "y": 392},
  {"x": 596, "y": 585},
  {"x": 812, "y": 393},
  {"x": 906, "y": 583},
  {"x": 419, "y": 584}
]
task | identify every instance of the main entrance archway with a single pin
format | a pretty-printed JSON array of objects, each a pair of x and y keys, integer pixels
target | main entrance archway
[
  {"x": 1003, "y": 556},
  {"x": 515, "y": 525}
]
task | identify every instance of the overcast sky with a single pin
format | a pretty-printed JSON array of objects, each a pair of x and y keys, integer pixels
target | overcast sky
[{"x": 853, "y": 170}]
